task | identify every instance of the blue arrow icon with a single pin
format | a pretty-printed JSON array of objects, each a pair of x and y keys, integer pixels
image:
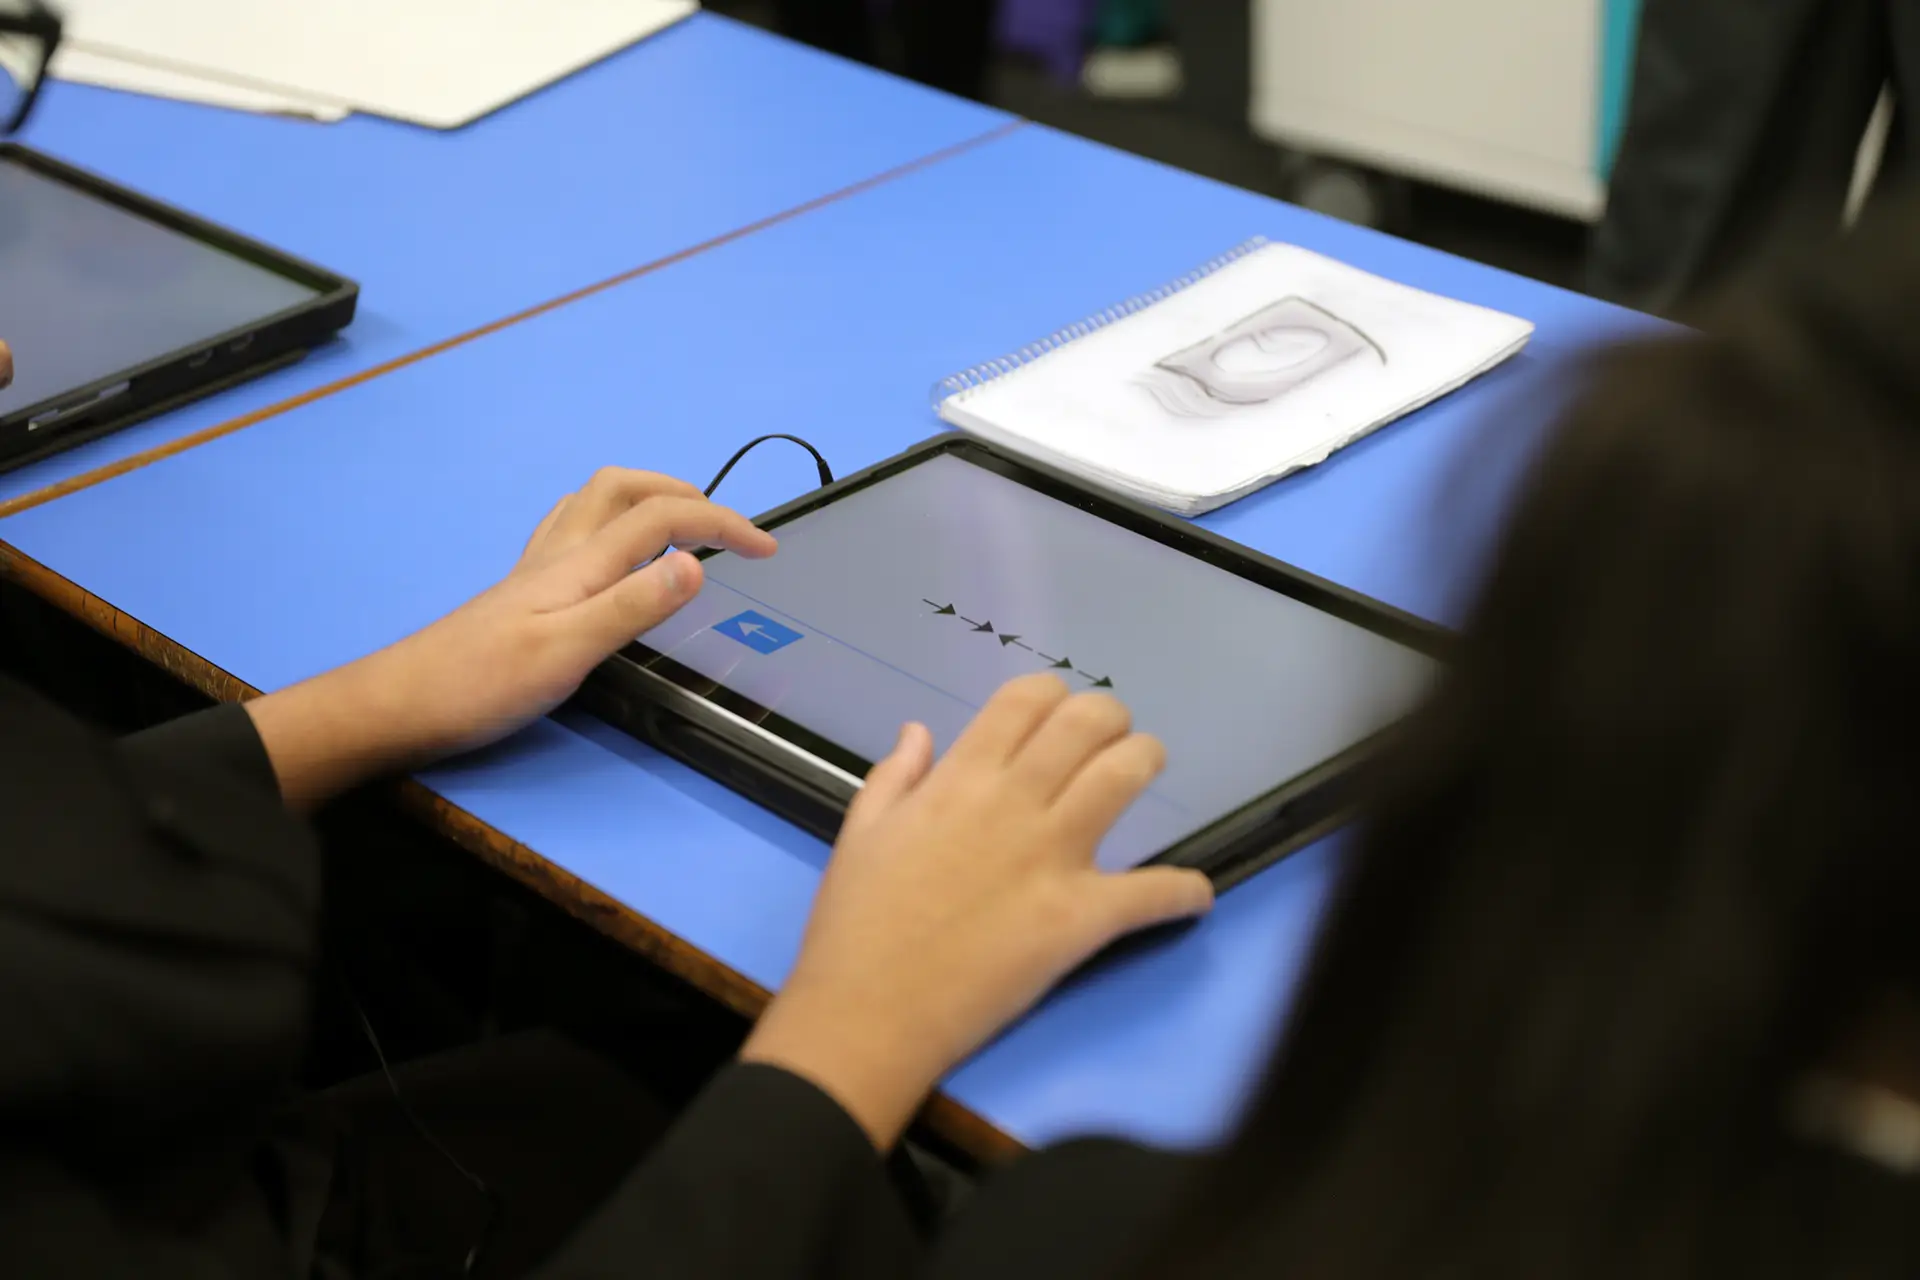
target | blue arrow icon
[{"x": 757, "y": 631}]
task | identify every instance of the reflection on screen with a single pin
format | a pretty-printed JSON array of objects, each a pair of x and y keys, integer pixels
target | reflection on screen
[
  {"x": 88, "y": 290},
  {"x": 916, "y": 598}
]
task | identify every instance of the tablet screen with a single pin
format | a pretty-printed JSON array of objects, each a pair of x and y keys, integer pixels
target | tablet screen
[
  {"x": 918, "y": 596},
  {"x": 89, "y": 290}
]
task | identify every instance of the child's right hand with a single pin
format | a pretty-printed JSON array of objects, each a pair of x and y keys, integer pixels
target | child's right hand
[{"x": 960, "y": 892}]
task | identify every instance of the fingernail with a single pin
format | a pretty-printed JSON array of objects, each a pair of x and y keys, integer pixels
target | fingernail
[{"x": 679, "y": 576}]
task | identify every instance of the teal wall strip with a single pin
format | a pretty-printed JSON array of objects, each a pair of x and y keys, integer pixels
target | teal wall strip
[{"x": 1620, "y": 28}]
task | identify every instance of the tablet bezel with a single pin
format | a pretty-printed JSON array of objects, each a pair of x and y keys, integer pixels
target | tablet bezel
[
  {"x": 193, "y": 371},
  {"x": 766, "y": 756}
]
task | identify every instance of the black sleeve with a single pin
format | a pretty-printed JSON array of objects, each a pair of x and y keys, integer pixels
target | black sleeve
[
  {"x": 220, "y": 739},
  {"x": 1085, "y": 1210},
  {"x": 763, "y": 1176},
  {"x": 157, "y": 922}
]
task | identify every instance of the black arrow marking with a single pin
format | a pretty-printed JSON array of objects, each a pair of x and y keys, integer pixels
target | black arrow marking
[
  {"x": 1102, "y": 683},
  {"x": 1059, "y": 664}
]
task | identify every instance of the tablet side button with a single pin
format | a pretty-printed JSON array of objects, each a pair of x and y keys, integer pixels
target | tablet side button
[{"x": 53, "y": 416}]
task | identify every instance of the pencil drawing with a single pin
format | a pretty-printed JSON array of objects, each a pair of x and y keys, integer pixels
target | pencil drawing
[{"x": 1257, "y": 360}]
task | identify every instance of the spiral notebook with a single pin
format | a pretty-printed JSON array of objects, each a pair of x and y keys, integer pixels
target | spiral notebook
[{"x": 1259, "y": 363}]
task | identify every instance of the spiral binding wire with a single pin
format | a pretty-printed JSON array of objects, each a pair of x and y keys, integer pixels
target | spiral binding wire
[{"x": 993, "y": 370}]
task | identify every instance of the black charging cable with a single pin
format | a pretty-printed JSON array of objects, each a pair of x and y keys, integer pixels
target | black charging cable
[
  {"x": 496, "y": 1207},
  {"x": 826, "y": 472}
]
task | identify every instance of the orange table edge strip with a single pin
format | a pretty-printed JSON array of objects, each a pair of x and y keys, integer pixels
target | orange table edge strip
[{"x": 133, "y": 462}]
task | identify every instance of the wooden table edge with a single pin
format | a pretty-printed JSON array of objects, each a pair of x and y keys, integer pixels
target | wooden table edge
[{"x": 944, "y": 1117}]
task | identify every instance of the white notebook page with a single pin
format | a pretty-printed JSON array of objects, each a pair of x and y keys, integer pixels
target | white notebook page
[{"x": 1268, "y": 364}]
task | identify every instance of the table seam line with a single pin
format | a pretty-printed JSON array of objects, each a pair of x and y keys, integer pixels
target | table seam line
[{"x": 206, "y": 435}]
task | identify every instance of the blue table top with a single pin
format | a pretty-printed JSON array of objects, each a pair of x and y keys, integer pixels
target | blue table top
[
  {"x": 319, "y": 535},
  {"x": 704, "y": 128}
]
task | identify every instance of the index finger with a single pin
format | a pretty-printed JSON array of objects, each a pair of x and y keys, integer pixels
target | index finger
[
  {"x": 658, "y": 523},
  {"x": 612, "y": 491},
  {"x": 6, "y": 364}
]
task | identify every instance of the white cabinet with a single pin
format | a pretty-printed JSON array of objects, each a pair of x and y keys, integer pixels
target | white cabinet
[{"x": 1498, "y": 97}]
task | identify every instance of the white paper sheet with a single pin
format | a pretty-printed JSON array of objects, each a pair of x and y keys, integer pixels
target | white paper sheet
[
  {"x": 80, "y": 66},
  {"x": 439, "y": 63}
]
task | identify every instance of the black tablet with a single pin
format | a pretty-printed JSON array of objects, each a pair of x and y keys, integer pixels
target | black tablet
[
  {"x": 118, "y": 307},
  {"x": 914, "y": 590}
]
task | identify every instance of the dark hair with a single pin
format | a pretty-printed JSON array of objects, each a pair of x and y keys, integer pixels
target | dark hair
[{"x": 1650, "y": 849}]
